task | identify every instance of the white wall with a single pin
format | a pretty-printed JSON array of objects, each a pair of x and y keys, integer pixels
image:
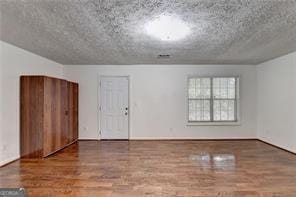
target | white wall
[
  {"x": 15, "y": 62},
  {"x": 158, "y": 100},
  {"x": 276, "y": 101},
  {"x": 1, "y": 108}
]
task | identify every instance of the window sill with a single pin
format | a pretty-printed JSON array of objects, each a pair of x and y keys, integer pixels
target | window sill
[{"x": 213, "y": 123}]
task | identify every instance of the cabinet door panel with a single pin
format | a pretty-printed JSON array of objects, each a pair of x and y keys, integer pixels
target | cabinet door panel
[
  {"x": 31, "y": 119},
  {"x": 64, "y": 112},
  {"x": 76, "y": 109},
  {"x": 52, "y": 116},
  {"x": 73, "y": 112}
]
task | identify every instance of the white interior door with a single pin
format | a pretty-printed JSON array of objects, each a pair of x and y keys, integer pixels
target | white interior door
[{"x": 114, "y": 107}]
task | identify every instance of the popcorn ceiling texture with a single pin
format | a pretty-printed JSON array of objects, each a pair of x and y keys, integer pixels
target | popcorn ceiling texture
[{"x": 112, "y": 31}]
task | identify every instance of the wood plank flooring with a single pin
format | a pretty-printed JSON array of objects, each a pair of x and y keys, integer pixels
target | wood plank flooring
[{"x": 157, "y": 168}]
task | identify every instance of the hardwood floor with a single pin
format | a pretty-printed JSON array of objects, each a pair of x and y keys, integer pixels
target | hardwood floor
[{"x": 157, "y": 168}]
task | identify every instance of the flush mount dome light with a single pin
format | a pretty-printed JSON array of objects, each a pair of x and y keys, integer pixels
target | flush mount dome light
[{"x": 167, "y": 28}]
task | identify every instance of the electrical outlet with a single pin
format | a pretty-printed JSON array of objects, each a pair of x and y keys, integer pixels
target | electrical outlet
[
  {"x": 4, "y": 147},
  {"x": 85, "y": 128}
]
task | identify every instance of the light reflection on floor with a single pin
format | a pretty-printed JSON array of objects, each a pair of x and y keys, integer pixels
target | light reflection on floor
[{"x": 215, "y": 161}]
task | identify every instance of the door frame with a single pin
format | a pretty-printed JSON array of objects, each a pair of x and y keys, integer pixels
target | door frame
[{"x": 99, "y": 103}]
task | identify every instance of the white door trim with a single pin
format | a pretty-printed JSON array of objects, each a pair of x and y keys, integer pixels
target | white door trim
[{"x": 99, "y": 103}]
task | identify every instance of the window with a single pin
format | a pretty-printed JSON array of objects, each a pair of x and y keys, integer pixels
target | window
[{"x": 213, "y": 99}]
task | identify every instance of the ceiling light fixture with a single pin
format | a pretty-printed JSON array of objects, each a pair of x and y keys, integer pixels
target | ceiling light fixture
[{"x": 167, "y": 28}]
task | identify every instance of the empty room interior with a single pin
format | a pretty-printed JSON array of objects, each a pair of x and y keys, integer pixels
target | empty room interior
[{"x": 152, "y": 98}]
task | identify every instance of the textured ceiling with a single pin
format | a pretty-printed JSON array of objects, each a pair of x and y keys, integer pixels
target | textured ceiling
[{"x": 112, "y": 31}]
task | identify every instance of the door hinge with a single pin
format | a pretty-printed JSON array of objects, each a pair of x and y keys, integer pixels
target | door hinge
[{"x": 100, "y": 108}]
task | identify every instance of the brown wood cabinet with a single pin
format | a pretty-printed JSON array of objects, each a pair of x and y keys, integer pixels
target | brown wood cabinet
[{"x": 49, "y": 115}]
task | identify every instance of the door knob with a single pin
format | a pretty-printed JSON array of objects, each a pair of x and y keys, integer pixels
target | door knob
[
  {"x": 125, "y": 113},
  {"x": 126, "y": 108}
]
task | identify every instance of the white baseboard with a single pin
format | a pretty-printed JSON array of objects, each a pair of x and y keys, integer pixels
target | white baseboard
[
  {"x": 289, "y": 149},
  {"x": 191, "y": 138},
  {"x": 6, "y": 161},
  {"x": 178, "y": 138}
]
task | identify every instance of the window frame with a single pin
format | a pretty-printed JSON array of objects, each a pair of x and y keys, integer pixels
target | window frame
[{"x": 212, "y": 122}]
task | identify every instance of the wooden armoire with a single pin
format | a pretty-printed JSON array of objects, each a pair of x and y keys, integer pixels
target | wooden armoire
[{"x": 49, "y": 115}]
